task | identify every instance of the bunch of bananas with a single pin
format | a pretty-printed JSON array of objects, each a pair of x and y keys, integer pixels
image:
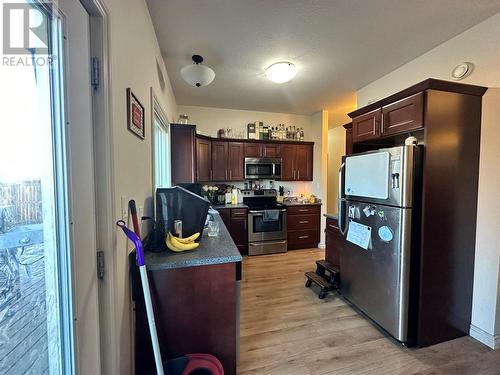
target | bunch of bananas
[{"x": 181, "y": 244}]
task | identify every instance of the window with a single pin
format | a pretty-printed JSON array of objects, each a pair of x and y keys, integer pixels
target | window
[{"x": 161, "y": 147}]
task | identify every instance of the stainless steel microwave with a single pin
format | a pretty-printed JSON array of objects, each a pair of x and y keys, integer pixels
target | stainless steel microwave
[{"x": 263, "y": 168}]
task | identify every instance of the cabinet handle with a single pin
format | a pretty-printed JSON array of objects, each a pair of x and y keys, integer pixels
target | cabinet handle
[
  {"x": 230, "y": 174},
  {"x": 333, "y": 226},
  {"x": 303, "y": 210},
  {"x": 381, "y": 131},
  {"x": 304, "y": 222},
  {"x": 225, "y": 174},
  {"x": 298, "y": 175},
  {"x": 211, "y": 174},
  {"x": 303, "y": 237}
]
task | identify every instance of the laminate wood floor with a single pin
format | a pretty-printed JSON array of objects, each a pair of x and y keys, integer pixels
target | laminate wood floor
[{"x": 286, "y": 329}]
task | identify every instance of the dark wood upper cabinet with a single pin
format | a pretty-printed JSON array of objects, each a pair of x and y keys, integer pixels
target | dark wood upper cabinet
[
  {"x": 297, "y": 162},
  {"x": 348, "y": 138},
  {"x": 198, "y": 158},
  {"x": 235, "y": 160},
  {"x": 182, "y": 153},
  {"x": 288, "y": 154},
  {"x": 203, "y": 160},
  {"x": 271, "y": 151},
  {"x": 404, "y": 115},
  {"x": 304, "y": 163},
  {"x": 253, "y": 150},
  {"x": 219, "y": 161},
  {"x": 367, "y": 126}
]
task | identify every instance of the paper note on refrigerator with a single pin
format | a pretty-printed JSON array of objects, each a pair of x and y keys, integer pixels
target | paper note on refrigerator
[{"x": 359, "y": 234}]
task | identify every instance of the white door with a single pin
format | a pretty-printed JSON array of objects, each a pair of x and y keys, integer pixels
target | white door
[
  {"x": 48, "y": 284},
  {"x": 81, "y": 173}
]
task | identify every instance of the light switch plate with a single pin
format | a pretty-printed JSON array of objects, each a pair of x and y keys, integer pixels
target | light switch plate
[{"x": 124, "y": 206}]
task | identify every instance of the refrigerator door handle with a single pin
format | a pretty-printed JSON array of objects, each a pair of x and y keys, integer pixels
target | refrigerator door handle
[{"x": 340, "y": 200}]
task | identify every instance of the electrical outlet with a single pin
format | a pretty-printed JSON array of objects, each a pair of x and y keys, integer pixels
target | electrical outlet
[{"x": 124, "y": 206}]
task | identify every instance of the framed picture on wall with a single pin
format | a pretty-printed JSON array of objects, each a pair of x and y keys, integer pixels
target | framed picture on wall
[{"x": 135, "y": 115}]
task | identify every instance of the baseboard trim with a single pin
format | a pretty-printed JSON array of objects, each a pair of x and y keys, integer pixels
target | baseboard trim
[
  {"x": 493, "y": 341},
  {"x": 321, "y": 245}
]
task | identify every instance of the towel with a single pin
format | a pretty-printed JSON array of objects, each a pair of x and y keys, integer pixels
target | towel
[{"x": 271, "y": 215}]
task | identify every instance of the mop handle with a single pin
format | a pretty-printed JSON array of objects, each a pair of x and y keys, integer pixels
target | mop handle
[{"x": 147, "y": 295}]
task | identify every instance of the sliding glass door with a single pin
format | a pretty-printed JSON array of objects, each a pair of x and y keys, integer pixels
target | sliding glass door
[{"x": 39, "y": 308}]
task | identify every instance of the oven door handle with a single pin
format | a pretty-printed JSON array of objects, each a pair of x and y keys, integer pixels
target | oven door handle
[{"x": 261, "y": 212}]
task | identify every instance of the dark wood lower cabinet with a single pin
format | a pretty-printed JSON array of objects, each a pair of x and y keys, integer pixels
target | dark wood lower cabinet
[
  {"x": 195, "y": 312},
  {"x": 225, "y": 215},
  {"x": 239, "y": 231},
  {"x": 334, "y": 241},
  {"x": 303, "y": 222},
  {"x": 236, "y": 222}
]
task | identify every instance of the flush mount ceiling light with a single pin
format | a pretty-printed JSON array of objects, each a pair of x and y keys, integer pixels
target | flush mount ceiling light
[
  {"x": 462, "y": 70},
  {"x": 281, "y": 72},
  {"x": 196, "y": 74}
]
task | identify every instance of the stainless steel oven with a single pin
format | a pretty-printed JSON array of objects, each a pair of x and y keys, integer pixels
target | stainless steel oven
[
  {"x": 263, "y": 168},
  {"x": 267, "y": 224}
]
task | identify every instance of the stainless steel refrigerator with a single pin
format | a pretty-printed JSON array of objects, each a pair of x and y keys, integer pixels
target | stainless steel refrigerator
[{"x": 377, "y": 217}]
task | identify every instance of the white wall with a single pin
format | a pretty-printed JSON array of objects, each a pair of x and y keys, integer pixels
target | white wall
[
  {"x": 208, "y": 120},
  {"x": 481, "y": 46},
  {"x": 134, "y": 56}
]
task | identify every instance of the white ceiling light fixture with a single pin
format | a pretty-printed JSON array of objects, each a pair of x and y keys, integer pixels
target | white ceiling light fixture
[
  {"x": 197, "y": 75},
  {"x": 462, "y": 71},
  {"x": 281, "y": 72}
]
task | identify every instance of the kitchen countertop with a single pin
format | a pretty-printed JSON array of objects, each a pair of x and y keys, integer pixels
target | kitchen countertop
[
  {"x": 220, "y": 206},
  {"x": 212, "y": 250},
  {"x": 331, "y": 216},
  {"x": 300, "y": 204}
]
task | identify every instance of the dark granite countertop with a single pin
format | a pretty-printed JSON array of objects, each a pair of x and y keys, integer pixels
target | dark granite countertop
[
  {"x": 212, "y": 250},
  {"x": 331, "y": 216},
  {"x": 237, "y": 205},
  {"x": 300, "y": 204}
]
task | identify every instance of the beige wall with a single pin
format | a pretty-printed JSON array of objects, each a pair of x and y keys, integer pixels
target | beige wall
[
  {"x": 336, "y": 149},
  {"x": 481, "y": 46},
  {"x": 336, "y": 146},
  {"x": 134, "y": 56}
]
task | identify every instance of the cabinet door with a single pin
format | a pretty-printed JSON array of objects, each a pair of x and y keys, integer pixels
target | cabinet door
[
  {"x": 271, "y": 150},
  {"x": 203, "y": 160},
  {"x": 235, "y": 161},
  {"x": 239, "y": 229},
  {"x": 225, "y": 215},
  {"x": 304, "y": 163},
  {"x": 253, "y": 150},
  {"x": 404, "y": 115},
  {"x": 182, "y": 153},
  {"x": 333, "y": 242},
  {"x": 366, "y": 127},
  {"x": 219, "y": 161},
  {"x": 288, "y": 153},
  {"x": 348, "y": 141}
]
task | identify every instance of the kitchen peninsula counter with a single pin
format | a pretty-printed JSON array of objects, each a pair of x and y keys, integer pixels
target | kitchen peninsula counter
[
  {"x": 195, "y": 299},
  {"x": 212, "y": 250}
]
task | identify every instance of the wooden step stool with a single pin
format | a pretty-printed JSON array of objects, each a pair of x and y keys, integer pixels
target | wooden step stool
[{"x": 327, "y": 277}]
